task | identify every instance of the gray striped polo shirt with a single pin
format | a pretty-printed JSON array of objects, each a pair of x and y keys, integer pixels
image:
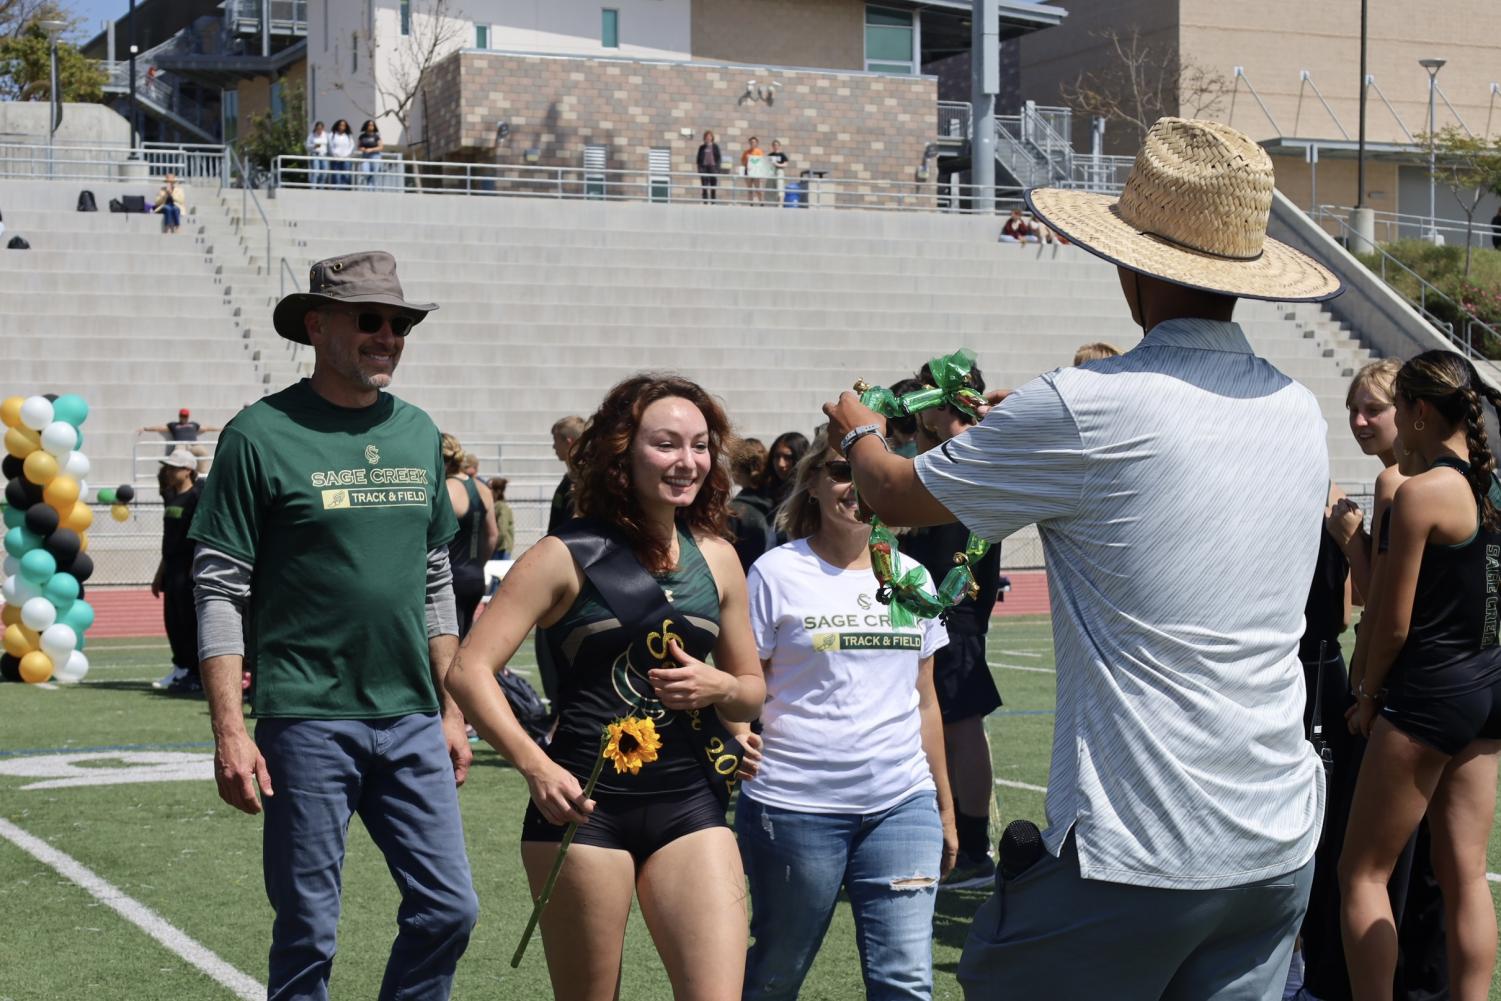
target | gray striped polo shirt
[{"x": 1178, "y": 491}]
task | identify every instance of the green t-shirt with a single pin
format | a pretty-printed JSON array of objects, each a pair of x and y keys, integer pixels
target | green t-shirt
[{"x": 336, "y": 509}]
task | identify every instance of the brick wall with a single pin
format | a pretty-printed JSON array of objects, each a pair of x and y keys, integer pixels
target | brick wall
[
  {"x": 823, "y": 33},
  {"x": 854, "y": 125}
]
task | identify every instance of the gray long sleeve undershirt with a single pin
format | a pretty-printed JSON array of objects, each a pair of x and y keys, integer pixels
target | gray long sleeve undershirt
[{"x": 221, "y": 591}]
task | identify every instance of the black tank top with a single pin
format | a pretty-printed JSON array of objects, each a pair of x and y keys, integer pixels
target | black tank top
[
  {"x": 1324, "y": 613},
  {"x": 1451, "y": 646},
  {"x": 599, "y": 683},
  {"x": 464, "y": 554}
]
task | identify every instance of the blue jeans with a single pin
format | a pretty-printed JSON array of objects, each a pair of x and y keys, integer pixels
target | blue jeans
[
  {"x": 171, "y": 216},
  {"x": 319, "y": 175},
  {"x": 396, "y": 774},
  {"x": 796, "y": 864}
]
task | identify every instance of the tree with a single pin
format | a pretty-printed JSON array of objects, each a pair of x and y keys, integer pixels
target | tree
[
  {"x": 26, "y": 62},
  {"x": 1138, "y": 83},
  {"x": 1470, "y": 167},
  {"x": 437, "y": 28},
  {"x": 270, "y": 136}
]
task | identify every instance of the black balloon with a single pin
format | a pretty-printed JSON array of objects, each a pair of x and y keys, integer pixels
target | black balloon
[
  {"x": 41, "y": 519},
  {"x": 82, "y": 568},
  {"x": 125, "y": 493},
  {"x": 63, "y": 544},
  {"x": 10, "y": 668},
  {"x": 21, "y": 494},
  {"x": 50, "y": 397},
  {"x": 11, "y": 467}
]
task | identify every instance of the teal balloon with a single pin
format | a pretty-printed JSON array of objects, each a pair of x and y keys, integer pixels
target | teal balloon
[
  {"x": 106, "y": 495},
  {"x": 20, "y": 541},
  {"x": 79, "y": 616},
  {"x": 14, "y": 517},
  {"x": 70, "y": 407},
  {"x": 61, "y": 589},
  {"x": 38, "y": 566}
]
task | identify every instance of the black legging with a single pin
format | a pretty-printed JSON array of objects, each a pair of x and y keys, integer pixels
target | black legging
[
  {"x": 468, "y": 589},
  {"x": 181, "y": 619},
  {"x": 710, "y": 190}
]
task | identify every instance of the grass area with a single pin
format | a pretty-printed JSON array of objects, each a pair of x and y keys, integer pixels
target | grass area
[{"x": 176, "y": 848}]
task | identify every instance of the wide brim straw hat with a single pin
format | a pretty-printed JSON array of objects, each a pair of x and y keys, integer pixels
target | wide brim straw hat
[
  {"x": 366, "y": 277},
  {"x": 1194, "y": 212}
]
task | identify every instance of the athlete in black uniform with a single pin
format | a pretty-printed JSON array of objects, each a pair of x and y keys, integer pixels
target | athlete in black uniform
[
  {"x": 1430, "y": 694},
  {"x": 476, "y": 537}
]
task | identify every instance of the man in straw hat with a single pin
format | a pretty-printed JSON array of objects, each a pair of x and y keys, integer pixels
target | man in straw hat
[
  {"x": 1184, "y": 801},
  {"x": 324, "y": 529}
]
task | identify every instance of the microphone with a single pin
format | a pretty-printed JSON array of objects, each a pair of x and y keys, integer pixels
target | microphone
[{"x": 1020, "y": 847}]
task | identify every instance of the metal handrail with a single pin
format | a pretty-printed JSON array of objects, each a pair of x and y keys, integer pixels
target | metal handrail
[
  {"x": 1480, "y": 231},
  {"x": 954, "y": 120},
  {"x": 534, "y": 181},
  {"x": 1426, "y": 289},
  {"x": 248, "y": 197},
  {"x": 105, "y": 161}
]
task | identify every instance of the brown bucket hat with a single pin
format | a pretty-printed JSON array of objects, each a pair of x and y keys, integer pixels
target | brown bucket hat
[{"x": 367, "y": 276}]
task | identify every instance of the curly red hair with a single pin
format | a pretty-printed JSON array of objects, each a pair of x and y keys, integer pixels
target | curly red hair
[{"x": 600, "y": 463}]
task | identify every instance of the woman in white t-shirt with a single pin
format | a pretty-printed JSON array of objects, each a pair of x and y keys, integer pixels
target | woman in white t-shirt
[{"x": 852, "y": 791}]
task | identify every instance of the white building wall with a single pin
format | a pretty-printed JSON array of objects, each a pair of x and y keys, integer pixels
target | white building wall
[
  {"x": 649, "y": 29},
  {"x": 340, "y": 83}
]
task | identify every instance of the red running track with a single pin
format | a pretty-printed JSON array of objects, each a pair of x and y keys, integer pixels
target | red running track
[{"x": 120, "y": 612}]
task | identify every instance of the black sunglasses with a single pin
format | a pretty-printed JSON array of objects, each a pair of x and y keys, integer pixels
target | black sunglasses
[
  {"x": 370, "y": 323},
  {"x": 838, "y": 470}
]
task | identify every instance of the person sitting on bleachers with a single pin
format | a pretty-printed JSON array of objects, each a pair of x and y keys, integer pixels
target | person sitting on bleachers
[
  {"x": 1019, "y": 229},
  {"x": 169, "y": 202}
]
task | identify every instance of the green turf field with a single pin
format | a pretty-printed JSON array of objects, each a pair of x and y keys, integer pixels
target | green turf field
[{"x": 175, "y": 848}]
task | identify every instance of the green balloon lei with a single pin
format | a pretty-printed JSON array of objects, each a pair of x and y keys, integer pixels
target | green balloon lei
[{"x": 904, "y": 592}]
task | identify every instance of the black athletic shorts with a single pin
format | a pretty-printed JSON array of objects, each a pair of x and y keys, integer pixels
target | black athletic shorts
[
  {"x": 637, "y": 824},
  {"x": 962, "y": 678},
  {"x": 1449, "y": 723}
]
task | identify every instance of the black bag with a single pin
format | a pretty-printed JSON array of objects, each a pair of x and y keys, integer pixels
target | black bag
[
  {"x": 18, "y": 243},
  {"x": 115, "y": 205},
  {"x": 134, "y": 203},
  {"x": 86, "y": 201},
  {"x": 525, "y": 704}
]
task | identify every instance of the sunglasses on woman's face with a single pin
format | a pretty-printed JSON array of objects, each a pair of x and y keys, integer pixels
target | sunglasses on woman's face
[
  {"x": 838, "y": 470},
  {"x": 370, "y": 323}
]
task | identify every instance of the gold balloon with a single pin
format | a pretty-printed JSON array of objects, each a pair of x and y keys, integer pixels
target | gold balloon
[
  {"x": 10, "y": 615},
  {"x": 36, "y": 667},
  {"x": 119, "y": 512},
  {"x": 40, "y": 468},
  {"x": 78, "y": 518},
  {"x": 62, "y": 493},
  {"x": 83, "y": 542},
  {"x": 10, "y": 411},
  {"x": 19, "y": 641},
  {"x": 21, "y": 442}
]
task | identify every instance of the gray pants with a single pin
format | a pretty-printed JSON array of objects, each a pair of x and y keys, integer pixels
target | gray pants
[{"x": 1050, "y": 933}]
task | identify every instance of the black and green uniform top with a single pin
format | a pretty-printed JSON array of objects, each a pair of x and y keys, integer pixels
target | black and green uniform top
[
  {"x": 177, "y": 520},
  {"x": 600, "y": 683},
  {"x": 336, "y": 510},
  {"x": 1452, "y": 640}
]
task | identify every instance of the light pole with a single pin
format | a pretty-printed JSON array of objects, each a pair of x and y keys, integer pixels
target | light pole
[
  {"x": 1432, "y": 66},
  {"x": 54, "y": 98}
]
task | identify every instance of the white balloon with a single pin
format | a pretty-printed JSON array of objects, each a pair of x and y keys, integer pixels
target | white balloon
[
  {"x": 12, "y": 566},
  {"x": 58, "y": 641},
  {"x": 8, "y": 589},
  {"x": 76, "y": 465},
  {"x": 36, "y": 412},
  {"x": 72, "y": 670},
  {"x": 25, "y": 590},
  {"x": 38, "y": 614},
  {"x": 58, "y": 438},
  {"x": 83, "y": 485}
]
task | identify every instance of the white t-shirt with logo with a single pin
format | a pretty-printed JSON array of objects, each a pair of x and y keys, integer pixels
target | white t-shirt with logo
[{"x": 843, "y": 733}]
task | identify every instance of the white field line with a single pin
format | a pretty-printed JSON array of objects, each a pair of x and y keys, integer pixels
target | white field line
[
  {"x": 1021, "y": 785},
  {"x": 173, "y": 939},
  {"x": 1024, "y": 667},
  {"x": 1018, "y": 653}
]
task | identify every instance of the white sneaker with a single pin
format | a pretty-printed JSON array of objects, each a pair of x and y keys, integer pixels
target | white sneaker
[{"x": 176, "y": 674}]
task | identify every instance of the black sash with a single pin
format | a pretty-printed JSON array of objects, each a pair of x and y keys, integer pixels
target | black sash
[{"x": 638, "y": 601}]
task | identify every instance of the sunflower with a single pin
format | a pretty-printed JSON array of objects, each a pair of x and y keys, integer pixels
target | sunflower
[{"x": 633, "y": 742}]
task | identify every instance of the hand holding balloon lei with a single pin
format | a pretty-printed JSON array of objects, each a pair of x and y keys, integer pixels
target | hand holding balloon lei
[{"x": 904, "y": 592}]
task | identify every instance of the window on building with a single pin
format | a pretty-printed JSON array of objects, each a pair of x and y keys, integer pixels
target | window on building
[
  {"x": 229, "y": 107},
  {"x": 277, "y": 104},
  {"x": 609, "y": 28},
  {"x": 406, "y": 17},
  {"x": 890, "y": 40},
  {"x": 481, "y": 36},
  {"x": 354, "y": 52}
]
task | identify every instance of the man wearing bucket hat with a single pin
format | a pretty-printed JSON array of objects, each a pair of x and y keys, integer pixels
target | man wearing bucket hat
[
  {"x": 177, "y": 478},
  {"x": 324, "y": 530},
  {"x": 1184, "y": 802}
]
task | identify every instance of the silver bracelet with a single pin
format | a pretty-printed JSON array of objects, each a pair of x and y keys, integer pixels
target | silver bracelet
[{"x": 860, "y": 432}]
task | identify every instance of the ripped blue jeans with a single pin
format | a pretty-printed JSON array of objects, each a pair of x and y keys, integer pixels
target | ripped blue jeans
[{"x": 796, "y": 864}]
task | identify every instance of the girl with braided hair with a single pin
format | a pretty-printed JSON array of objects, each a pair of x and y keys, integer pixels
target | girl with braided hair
[{"x": 1430, "y": 695}]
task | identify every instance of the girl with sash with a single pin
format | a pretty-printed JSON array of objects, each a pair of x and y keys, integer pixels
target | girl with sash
[
  {"x": 1429, "y": 694},
  {"x": 632, "y": 597},
  {"x": 853, "y": 791}
]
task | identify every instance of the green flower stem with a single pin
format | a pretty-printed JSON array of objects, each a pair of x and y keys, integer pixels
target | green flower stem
[{"x": 557, "y": 864}]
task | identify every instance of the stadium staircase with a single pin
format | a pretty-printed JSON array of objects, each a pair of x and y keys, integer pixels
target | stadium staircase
[{"x": 545, "y": 304}]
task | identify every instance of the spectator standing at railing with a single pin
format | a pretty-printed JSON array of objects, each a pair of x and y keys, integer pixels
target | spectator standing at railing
[
  {"x": 370, "y": 150},
  {"x": 182, "y": 429},
  {"x": 710, "y": 163},
  {"x": 169, "y": 202},
  {"x": 753, "y": 163},
  {"x": 505, "y": 519},
  {"x": 178, "y": 481},
  {"x": 340, "y": 149},
  {"x": 778, "y": 160},
  {"x": 317, "y": 148}
]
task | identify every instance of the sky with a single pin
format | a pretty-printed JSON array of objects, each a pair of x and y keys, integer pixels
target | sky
[{"x": 92, "y": 12}]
